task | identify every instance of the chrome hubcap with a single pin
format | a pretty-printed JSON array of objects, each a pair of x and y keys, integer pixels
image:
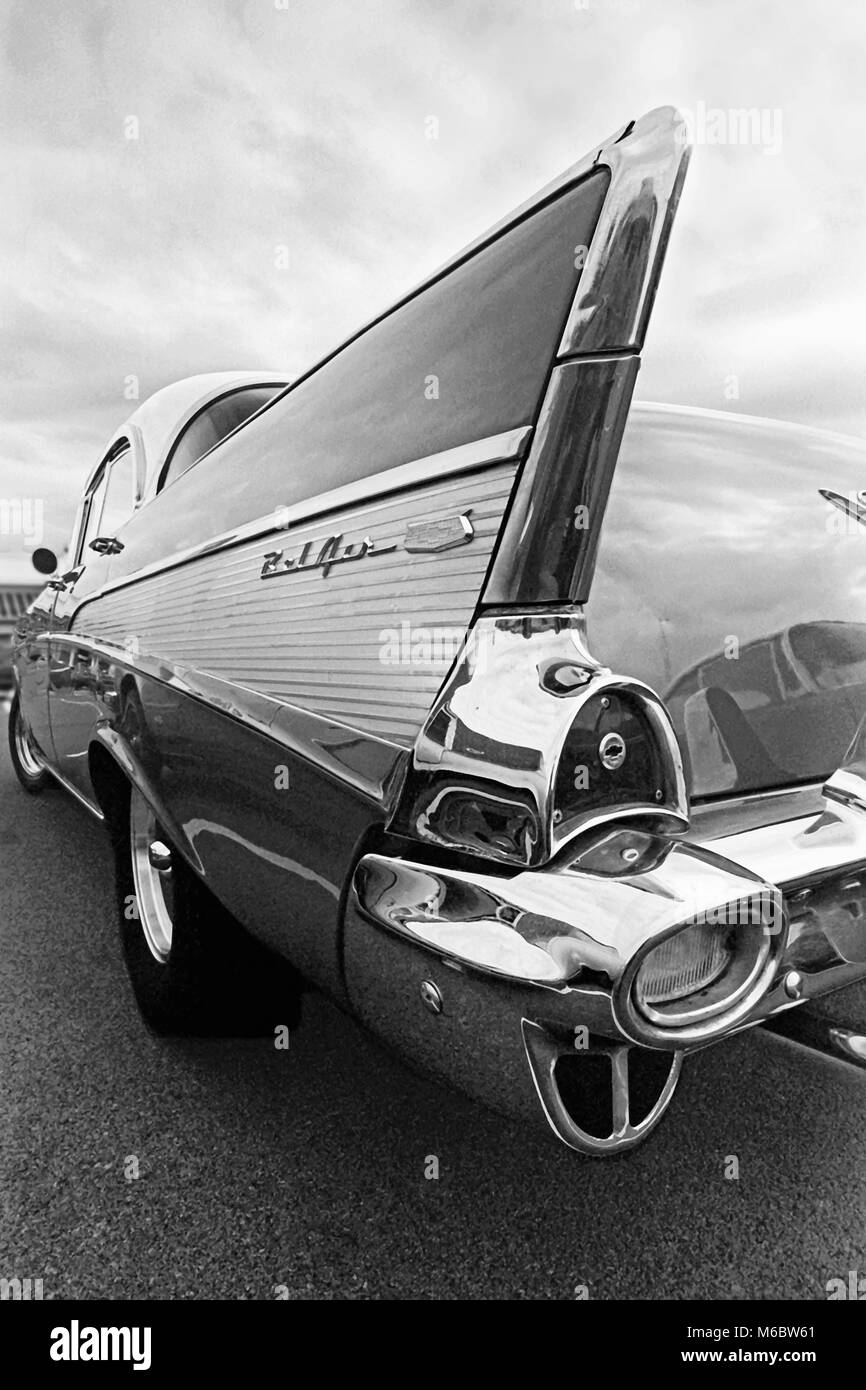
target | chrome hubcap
[
  {"x": 28, "y": 755},
  {"x": 152, "y": 875}
]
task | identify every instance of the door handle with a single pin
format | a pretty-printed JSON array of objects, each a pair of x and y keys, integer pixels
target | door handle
[
  {"x": 61, "y": 582},
  {"x": 106, "y": 545}
]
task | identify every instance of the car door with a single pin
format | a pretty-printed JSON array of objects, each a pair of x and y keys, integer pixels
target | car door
[{"x": 76, "y": 679}]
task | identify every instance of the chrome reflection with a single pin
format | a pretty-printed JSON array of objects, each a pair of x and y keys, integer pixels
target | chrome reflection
[
  {"x": 852, "y": 1046},
  {"x": 648, "y": 164},
  {"x": 764, "y": 678},
  {"x": 361, "y": 760},
  {"x": 818, "y": 862},
  {"x": 26, "y": 748},
  {"x": 548, "y": 541}
]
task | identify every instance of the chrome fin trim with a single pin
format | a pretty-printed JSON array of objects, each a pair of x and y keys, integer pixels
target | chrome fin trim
[{"x": 648, "y": 164}]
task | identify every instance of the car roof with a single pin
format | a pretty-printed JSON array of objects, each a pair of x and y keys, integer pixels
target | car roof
[{"x": 159, "y": 419}]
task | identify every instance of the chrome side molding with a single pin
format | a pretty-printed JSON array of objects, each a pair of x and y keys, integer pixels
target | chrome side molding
[{"x": 848, "y": 783}]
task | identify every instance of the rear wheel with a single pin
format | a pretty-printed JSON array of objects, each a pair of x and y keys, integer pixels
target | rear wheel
[
  {"x": 27, "y": 760},
  {"x": 193, "y": 969}
]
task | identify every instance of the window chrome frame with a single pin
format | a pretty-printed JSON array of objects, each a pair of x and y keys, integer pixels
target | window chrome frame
[
  {"x": 163, "y": 481},
  {"x": 126, "y": 444}
]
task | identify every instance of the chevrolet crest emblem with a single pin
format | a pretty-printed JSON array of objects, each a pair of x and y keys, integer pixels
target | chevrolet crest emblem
[{"x": 444, "y": 534}]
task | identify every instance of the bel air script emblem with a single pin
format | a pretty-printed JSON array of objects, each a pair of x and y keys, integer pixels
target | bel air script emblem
[
  {"x": 321, "y": 555},
  {"x": 421, "y": 537}
]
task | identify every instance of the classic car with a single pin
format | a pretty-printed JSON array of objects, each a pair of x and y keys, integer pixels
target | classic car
[{"x": 525, "y": 722}]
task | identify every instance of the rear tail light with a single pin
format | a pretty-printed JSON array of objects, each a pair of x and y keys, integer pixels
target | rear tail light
[
  {"x": 683, "y": 965},
  {"x": 709, "y": 966}
]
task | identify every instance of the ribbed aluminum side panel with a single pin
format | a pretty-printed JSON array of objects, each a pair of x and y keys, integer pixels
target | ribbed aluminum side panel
[{"x": 324, "y": 643}]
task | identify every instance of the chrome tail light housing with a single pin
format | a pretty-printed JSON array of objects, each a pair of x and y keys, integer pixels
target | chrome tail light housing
[{"x": 531, "y": 744}]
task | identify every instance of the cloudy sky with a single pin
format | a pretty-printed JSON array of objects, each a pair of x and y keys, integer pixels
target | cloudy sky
[{"x": 161, "y": 162}]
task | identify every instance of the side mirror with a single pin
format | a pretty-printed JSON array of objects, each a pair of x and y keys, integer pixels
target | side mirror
[{"x": 44, "y": 561}]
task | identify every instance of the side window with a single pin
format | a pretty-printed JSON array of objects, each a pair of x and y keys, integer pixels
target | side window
[
  {"x": 119, "y": 499},
  {"x": 92, "y": 515},
  {"x": 109, "y": 503},
  {"x": 213, "y": 424}
]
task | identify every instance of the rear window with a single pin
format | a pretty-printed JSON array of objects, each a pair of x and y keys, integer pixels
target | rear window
[
  {"x": 211, "y": 425},
  {"x": 727, "y": 582}
]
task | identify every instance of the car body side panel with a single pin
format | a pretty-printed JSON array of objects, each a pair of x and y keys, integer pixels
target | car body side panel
[{"x": 367, "y": 642}]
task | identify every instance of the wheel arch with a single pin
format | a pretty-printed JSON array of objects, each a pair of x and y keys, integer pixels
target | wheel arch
[{"x": 114, "y": 769}]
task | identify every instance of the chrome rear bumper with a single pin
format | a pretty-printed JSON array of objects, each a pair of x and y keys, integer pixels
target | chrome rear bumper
[{"x": 543, "y": 966}]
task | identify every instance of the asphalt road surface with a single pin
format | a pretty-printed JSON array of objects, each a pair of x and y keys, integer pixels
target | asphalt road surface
[{"x": 262, "y": 1172}]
